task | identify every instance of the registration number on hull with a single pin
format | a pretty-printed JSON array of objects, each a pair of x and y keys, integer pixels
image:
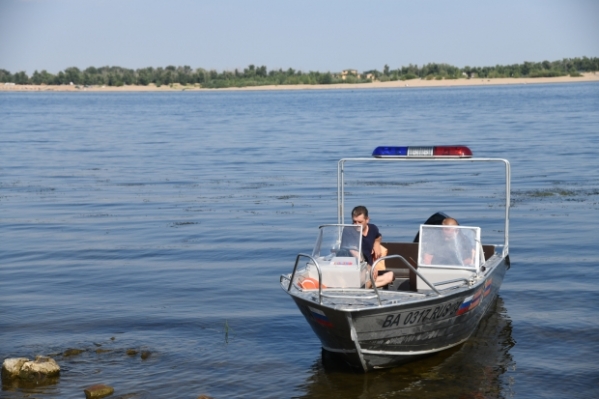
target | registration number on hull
[{"x": 421, "y": 315}]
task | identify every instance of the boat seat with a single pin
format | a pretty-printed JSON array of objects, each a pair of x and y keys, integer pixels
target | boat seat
[{"x": 404, "y": 278}]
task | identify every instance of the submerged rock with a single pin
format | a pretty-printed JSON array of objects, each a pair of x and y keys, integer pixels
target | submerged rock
[
  {"x": 98, "y": 391},
  {"x": 72, "y": 352},
  {"x": 132, "y": 396},
  {"x": 145, "y": 354},
  {"x": 131, "y": 352}
]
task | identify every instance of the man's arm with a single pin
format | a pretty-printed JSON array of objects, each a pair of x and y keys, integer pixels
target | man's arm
[{"x": 376, "y": 247}]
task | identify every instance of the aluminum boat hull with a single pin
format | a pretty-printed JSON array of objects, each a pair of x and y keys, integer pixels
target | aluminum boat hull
[{"x": 387, "y": 335}]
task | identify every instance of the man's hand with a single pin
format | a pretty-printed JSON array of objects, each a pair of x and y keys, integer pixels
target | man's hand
[{"x": 376, "y": 248}]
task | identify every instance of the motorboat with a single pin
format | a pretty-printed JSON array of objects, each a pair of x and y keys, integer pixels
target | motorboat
[{"x": 445, "y": 280}]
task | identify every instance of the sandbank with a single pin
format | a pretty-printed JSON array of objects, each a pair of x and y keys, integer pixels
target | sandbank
[{"x": 586, "y": 77}]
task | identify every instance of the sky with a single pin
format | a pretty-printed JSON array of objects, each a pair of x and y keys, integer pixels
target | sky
[{"x": 307, "y": 35}]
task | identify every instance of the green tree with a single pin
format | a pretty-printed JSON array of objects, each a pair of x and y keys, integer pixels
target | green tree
[
  {"x": 250, "y": 71},
  {"x": 73, "y": 74},
  {"x": 59, "y": 79},
  {"x": 36, "y": 78},
  {"x": 21, "y": 78},
  {"x": 5, "y": 76},
  {"x": 145, "y": 76},
  {"x": 546, "y": 65},
  {"x": 201, "y": 75},
  {"x": 261, "y": 71},
  {"x": 326, "y": 79}
]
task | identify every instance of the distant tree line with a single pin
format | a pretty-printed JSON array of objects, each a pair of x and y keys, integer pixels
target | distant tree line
[{"x": 258, "y": 76}]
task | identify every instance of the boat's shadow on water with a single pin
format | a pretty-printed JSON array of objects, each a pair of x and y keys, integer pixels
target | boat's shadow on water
[{"x": 474, "y": 369}]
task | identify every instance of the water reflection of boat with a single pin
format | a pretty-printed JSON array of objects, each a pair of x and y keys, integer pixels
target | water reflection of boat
[
  {"x": 429, "y": 309},
  {"x": 475, "y": 369}
]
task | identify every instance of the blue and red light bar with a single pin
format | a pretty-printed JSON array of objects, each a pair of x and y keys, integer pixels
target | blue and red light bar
[{"x": 444, "y": 151}]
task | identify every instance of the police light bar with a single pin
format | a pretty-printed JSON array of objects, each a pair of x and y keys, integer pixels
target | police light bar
[{"x": 445, "y": 151}]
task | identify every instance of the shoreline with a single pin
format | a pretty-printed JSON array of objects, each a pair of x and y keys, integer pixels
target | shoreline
[{"x": 586, "y": 77}]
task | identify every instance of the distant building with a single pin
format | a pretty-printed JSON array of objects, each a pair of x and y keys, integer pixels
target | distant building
[{"x": 348, "y": 72}]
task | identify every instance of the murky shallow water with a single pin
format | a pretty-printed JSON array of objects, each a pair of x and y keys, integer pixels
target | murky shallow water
[{"x": 161, "y": 222}]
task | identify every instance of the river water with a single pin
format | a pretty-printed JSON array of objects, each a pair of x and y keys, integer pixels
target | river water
[{"x": 160, "y": 222}]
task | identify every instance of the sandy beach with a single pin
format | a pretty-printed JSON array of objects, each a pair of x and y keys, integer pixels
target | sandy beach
[{"x": 586, "y": 77}]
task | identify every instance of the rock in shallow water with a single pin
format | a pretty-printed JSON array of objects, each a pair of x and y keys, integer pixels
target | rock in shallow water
[
  {"x": 12, "y": 366},
  {"x": 72, "y": 352},
  {"x": 98, "y": 391},
  {"x": 41, "y": 365},
  {"x": 24, "y": 368}
]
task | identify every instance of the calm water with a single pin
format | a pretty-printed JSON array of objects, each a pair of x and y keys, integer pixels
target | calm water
[{"x": 162, "y": 221}]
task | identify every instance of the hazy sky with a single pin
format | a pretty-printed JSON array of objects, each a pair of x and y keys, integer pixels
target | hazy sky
[{"x": 307, "y": 35}]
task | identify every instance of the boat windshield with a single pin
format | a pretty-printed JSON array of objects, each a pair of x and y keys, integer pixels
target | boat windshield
[
  {"x": 450, "y": 246},
  {"x": 337, "y": 254},
  {"x": 338, "y": 240}
]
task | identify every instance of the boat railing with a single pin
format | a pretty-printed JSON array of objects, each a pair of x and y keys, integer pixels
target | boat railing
[
  {"x": 285, "y": 277},
  {"x": 464, "y": 281},
  {"x": 412, "y": 268},
  {"x": 297, "y": 258},
  {"x": 371, "y": 275},
  {"x": 359, "y": 291}
]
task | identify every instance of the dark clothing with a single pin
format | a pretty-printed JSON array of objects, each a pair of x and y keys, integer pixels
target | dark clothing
[
  {"x": 368, "y": 242},
  {"x": 435, "y": 220}
]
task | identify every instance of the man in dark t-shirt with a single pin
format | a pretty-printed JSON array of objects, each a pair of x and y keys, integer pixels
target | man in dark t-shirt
[{"x": 371, "y": 244}]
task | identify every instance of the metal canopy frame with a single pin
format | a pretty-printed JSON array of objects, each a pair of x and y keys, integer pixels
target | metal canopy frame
[{"x": 341, "y": 185}]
